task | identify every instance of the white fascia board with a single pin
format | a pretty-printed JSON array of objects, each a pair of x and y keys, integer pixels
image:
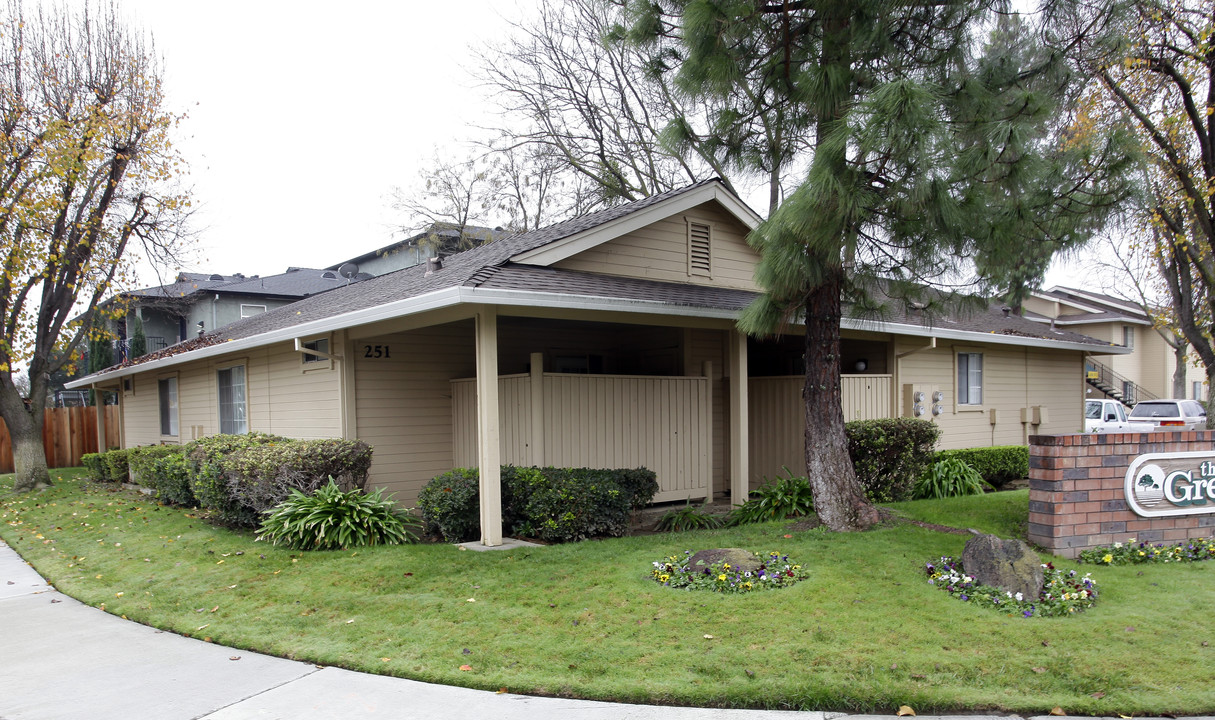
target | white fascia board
[
  {"x": 980, "y": 337},
  {"x": 1099, "y": 303},
  {"x": 1082, "y": 320},
  {"x": 526, "y": 298},
  {"x": 559, "y": 250},
  {"x": 1101, "y": 299},
  {"x": 388, "y": 311},
  {"x": 566, "y": 301}
]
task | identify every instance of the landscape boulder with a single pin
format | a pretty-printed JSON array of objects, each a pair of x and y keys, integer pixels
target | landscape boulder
[
  {"x": 1010, "y": 565},
  {"x": 739, "y": 559}
]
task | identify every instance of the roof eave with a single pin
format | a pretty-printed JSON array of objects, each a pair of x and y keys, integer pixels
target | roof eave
[{"x": 527, "y": 298}]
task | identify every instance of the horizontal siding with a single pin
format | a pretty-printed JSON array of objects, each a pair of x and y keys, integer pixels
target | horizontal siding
[
  {"x": 660, "y": 251},
  {"x": 301, "y": 404},
  {"x": 404, "y": 404},
  {"x": 1013, "y": 378}
]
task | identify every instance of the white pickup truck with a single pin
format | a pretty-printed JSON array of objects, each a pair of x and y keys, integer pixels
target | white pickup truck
[{"x": 1110, "y": 416}]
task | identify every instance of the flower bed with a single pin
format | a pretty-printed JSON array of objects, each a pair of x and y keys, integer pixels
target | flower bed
[
  {"x": 1062, "y": 593},
  {"x": 776, "y": 571},
  {"x": 1134, "y": 553}
]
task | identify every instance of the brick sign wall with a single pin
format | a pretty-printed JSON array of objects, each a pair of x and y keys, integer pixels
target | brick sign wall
[{"x": 1097, "y": 489}]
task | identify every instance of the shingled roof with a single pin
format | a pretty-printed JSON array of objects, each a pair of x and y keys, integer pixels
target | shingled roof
[{"x": 488, "y": 271}]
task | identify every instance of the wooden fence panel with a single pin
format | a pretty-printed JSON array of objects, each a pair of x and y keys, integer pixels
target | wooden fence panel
[{"x": 67, "y": 434}]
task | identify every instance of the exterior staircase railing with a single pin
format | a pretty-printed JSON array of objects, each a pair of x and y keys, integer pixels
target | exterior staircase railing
[{"x": 1115, "y": 385}]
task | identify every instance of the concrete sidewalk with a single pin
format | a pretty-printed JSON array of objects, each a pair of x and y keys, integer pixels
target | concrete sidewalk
[{"x": 104, "y": 667}]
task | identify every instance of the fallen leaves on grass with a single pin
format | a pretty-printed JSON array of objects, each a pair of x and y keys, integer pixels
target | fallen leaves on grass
[
  {"x": 466, "y": 668},
  {"x": 905, "y": 710}
]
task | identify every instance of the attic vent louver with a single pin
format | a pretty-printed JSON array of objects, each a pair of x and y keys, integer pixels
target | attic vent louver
[
  {"x": 329, "y": 276},
  {"x": 216, "y": 277},
  {"x": 700, "y": 249}
]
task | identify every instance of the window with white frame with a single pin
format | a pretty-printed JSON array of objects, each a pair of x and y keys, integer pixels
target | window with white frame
[
  {"x": 321, "y": 345},
  {"x": 1128, "y": 336},
  {"x": 251, "y": 310},
  {"x": 167, "y": 390},
  {"x": 970, "y": 378},
  {"x": 1197, "y": 390},
  {"x": 233, "y": 418}
]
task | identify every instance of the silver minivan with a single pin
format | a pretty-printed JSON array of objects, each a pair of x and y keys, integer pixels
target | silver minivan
[{"x": 1171, "y": 414}]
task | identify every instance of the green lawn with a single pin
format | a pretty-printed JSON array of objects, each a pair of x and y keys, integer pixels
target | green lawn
[{"x": 865, "y": 633}]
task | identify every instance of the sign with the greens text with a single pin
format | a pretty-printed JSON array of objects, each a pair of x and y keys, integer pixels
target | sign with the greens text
[{"x": 1171, "y": 484}]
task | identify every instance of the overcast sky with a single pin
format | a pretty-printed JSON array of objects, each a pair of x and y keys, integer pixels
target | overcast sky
[{"x": 303, "y": 116}]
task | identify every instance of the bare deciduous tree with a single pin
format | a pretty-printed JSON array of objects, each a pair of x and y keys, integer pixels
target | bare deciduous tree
[{"x": 85, "y": 160}]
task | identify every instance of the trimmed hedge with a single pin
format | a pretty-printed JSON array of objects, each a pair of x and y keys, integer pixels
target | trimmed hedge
[
  {"x": 207, "y": 458},
  {"x": 997, "y": 465},
  {"x": 94, "y": 463},
  {"x": 552, "y": 504},
  {"x": 117, "y": 467},
  {"x": 141, "y": 459},
  {"x": 889, "y": 455},
  {"x": 240, "y": 477},
  {"x": 164, "y": 469}
]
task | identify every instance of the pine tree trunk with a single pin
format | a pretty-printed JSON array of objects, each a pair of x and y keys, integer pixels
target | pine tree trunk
[
  {"x": 25, "y": 429},
  {"x": 838, "y": 498}
]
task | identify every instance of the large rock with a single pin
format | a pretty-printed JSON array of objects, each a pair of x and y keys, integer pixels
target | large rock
[
  {"x": 1007, "y": 564},
  {"x": 739, "y": 559}
]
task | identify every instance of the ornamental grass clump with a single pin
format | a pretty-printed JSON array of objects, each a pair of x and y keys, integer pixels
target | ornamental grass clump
[
  {"x": 330, "y": 519},
  {"x": 1062, "y": 593},
  {"x": 947, "y": 478},
  {"x": 786, "y": 497},
  {"x": 775, "y": 571},
  {"x": 1135, "y": 553},
  {"x": 687, "y": 518}
]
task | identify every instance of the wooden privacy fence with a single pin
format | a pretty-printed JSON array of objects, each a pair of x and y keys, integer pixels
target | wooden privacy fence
[
  {"x": 67, "y": 433},
  {"x": 600, "y": 421},
  {"x": 778, "y": 418}
]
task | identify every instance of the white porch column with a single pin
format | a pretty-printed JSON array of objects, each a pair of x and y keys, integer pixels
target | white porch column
[
  {"x": 740, "y": 463},
  {"x": 489, "y": 460}
]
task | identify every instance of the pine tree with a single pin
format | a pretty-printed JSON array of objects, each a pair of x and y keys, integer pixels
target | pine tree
[
  {"x": 139, "y": 341},
  {"x": 935, "y": 157}
]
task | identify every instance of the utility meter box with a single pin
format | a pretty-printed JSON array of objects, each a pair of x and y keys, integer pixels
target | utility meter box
[{"x": 921, "y": 401}]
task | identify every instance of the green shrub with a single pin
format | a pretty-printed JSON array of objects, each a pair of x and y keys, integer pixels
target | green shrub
[
  {"x": 117, "y": 469},
  {"x": 207, "y": 458},
  {"x": 998, "y": 465},
  {"x": 688, "y": 518},
  {"x": 949, "y": 478},
  {"x": 261, "y": 476},
  {"x": 566, "y": 505},
  {"x": 333, "y": 519},
  {"x": 95, "y": 464},
  {"x": 449, "y": 505},
  {"x": 553, "y": 504},
  {"x": 239, "y": 477},
  {"x": 785, "y": 497},
  {"x": 890, "y": 454},
  {"x": 141, "y": 459},
  {"x": 168, "y": 473}
]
